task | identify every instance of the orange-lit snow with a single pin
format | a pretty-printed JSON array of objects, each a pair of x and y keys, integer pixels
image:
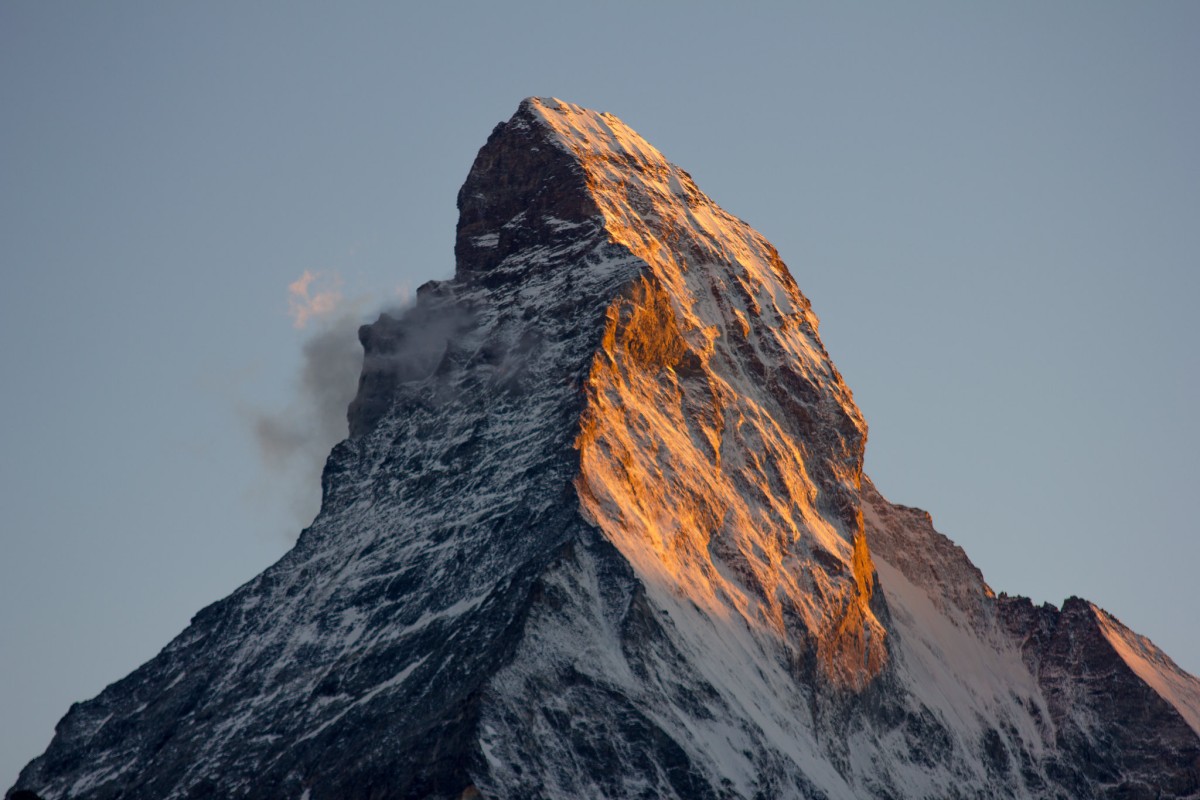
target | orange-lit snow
[
  {"x": 1154, "y": 667},
  {"x": 687, "y": 464}
]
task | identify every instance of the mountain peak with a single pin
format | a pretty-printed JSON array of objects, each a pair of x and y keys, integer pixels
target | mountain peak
[
  {"x": 601, "y": 529},
  {"x": 594, "y": 134},
  {"x": 713, "y": 348}
]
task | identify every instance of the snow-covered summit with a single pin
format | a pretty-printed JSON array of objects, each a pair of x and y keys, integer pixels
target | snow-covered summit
[{"x": 601, "y": 530}]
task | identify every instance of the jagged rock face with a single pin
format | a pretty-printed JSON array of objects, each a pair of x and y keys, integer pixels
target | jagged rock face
[
  {"x": 524, "y": 194},
  {"x": 601, "y": 530},
  {"x": 1120, "y": 708},
  {"x": 720, "y": 449}
]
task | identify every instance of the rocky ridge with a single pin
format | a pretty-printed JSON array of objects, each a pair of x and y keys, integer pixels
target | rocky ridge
[{"x": 601, "y": 529}]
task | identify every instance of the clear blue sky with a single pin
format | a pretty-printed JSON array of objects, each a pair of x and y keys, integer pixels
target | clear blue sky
[{"x": 995, "y": 210}]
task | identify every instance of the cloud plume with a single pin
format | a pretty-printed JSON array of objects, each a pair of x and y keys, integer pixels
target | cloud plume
[
  {"x": 295, "y": 440},
  {"x": 314, "y": 296}
]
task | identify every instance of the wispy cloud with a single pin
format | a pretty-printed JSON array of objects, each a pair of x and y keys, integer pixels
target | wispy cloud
[
  {"x": 294, "y": 440},
  {"x": 314, "y": 296}
]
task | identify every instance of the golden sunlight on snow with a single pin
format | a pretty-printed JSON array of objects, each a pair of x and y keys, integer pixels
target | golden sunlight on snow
[{"x": 692, "y": 449}]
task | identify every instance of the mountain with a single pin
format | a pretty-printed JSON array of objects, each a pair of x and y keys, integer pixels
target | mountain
[{"x": 601, "y": 529}]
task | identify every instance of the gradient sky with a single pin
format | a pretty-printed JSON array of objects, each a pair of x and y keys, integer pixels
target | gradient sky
[{"x": 995, "y": 210}]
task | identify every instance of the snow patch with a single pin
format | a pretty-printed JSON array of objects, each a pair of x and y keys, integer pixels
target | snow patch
[{"x": 1154, "y": 667}]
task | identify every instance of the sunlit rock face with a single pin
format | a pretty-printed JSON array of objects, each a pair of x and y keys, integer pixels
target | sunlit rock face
[
  {"x": 601, "y": 530},
  {"x": 721, "y": 452}
]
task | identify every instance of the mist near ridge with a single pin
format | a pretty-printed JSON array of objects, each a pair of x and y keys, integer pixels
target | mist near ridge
[
  {"x": 337, "y": 382},
  {"x": 294, "y": 441}
]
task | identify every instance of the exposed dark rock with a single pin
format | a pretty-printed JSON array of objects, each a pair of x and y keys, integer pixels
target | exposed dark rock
[{"x": 1116, "y": 735}]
